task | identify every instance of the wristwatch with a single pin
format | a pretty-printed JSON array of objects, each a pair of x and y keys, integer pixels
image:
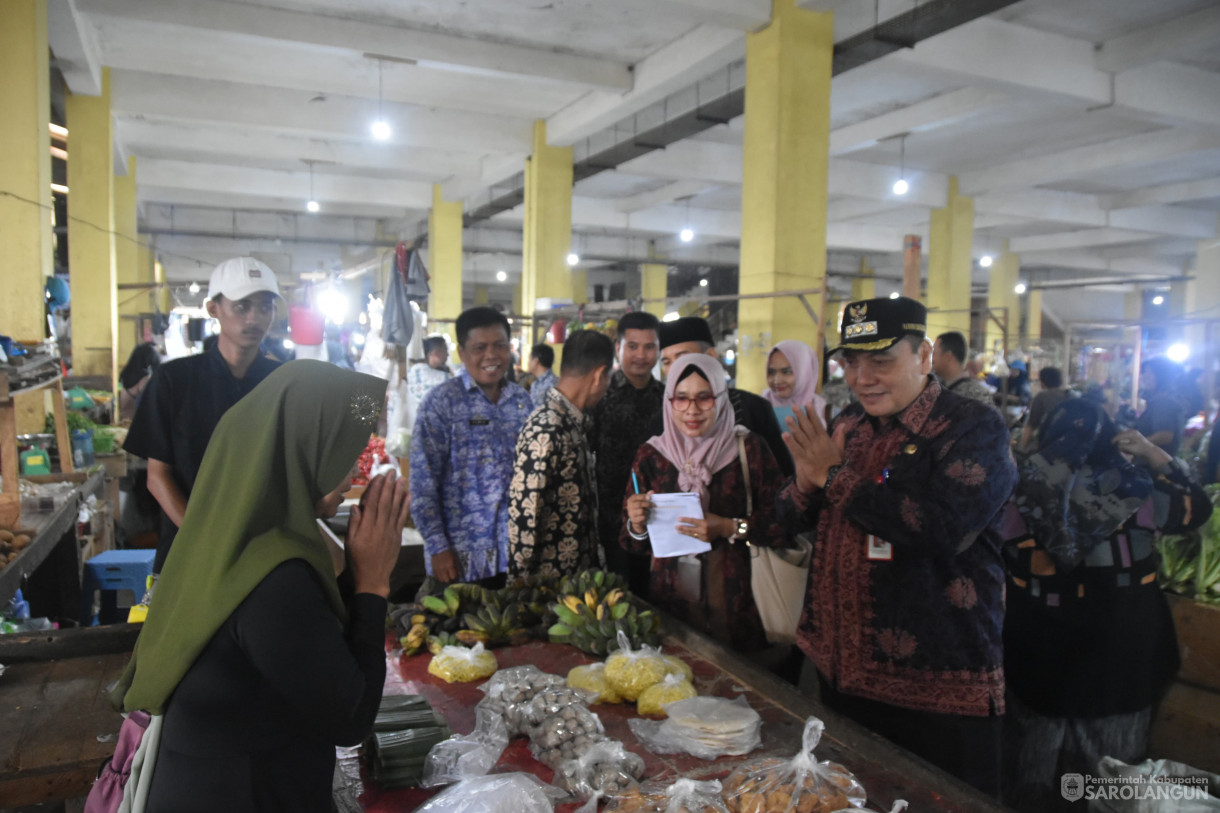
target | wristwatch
[
  {"x": 741, "y": 527},
  {"x": 831, "y": 473}
]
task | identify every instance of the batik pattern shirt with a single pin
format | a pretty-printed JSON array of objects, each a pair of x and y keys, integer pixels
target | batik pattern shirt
[
  {"x": 906, "y": 589},
  {"x": 973, "y": 389},
  {"x": 541, "y": 386},
  {"x": 552, "y": 500},
  {"x": 622, "y": 422},
  {"x": 461, "y": 465}
]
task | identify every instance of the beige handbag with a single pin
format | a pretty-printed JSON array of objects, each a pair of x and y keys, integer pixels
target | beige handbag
[{"x": 779, "y": 577}]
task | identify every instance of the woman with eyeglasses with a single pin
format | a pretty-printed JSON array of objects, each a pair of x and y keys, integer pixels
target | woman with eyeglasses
[{"x": 737, "y": 480}]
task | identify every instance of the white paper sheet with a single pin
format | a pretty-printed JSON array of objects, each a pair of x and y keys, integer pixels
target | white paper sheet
[{"x": 663, "y": 525}]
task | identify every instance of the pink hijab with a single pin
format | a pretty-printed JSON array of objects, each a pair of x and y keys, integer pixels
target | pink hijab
[
  {"x": 804, "y": 364},
  {"x": 697, "y": 459}
]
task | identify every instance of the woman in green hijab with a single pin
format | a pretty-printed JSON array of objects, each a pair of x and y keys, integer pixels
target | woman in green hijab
[{"x": 256, "y": 663}]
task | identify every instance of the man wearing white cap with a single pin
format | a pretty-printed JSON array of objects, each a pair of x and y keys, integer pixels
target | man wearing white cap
[{"x": 185, "y": 398}]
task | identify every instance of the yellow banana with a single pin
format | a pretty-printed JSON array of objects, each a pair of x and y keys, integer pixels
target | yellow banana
[
  {"x": 591, "y": 597},
  {"x": 613, "y": 597},
  {"x": 572, "y": 603},
  {"x": 601, "y": 611}
]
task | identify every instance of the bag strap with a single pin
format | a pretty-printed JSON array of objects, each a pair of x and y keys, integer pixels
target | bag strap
[{"x": 745, "y": 473}]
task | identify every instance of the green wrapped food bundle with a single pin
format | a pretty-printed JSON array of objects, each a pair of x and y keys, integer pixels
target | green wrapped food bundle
[{"x": 404, "y": 732}]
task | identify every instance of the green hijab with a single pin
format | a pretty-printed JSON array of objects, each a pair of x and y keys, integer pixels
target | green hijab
[{"x": 273, "y": 455}]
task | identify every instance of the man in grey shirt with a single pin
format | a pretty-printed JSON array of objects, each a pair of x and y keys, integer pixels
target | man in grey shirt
[{"x": 948, "y": 358}]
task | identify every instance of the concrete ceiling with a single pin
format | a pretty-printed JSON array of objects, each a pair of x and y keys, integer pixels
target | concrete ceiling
[{"x": 1088, "y": 131}]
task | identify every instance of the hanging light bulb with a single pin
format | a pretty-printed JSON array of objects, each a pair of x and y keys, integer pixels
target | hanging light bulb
[
  {"x": 703, "y": 282},
  {"x": 1158, "y": 300},
  {"x": 573, "y": 258},
  {"x": 381, "y": 128},
  {"x": 894, "y": 295},
  {"x": 1019, "y": 288},
  {"x": 985, "y": 261},
  {"x": 311, "y": 205},
  {"x": 686, "y": 235},
  {"x": 194, "y": 289},
  {"x": 501, "y": 276},
  {"x": 901, "y": 187}
]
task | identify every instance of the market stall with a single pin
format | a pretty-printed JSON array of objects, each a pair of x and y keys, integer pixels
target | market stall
[{"x": 886, "y": 771}]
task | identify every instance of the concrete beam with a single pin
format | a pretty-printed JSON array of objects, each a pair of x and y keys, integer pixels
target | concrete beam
[
  {"x": 434, "y": 48},
  {"x": 1087, "y": 238},
  {"x": 1092, "y": 261},
  {"x": 744, "y": 15},
  {"x": 939, "y": 111},
  {"x": 1167, "y": 40},
  {"x": 75, "y": 48},
  {"x": 148, "y": 195},
  {"x": 664, "y": 195},
  {"x": 1168, "y": 90},
  {"x": 1169, "y": 193}
]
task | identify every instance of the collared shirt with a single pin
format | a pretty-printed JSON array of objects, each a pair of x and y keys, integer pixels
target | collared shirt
[
  {"x": 971, "y": 388},
  {"x": 178, "y": 412},
  {"x": 461, "y": 465},
  {"x": 622, "y": 421},
  {"x": 552, "y": 500},
  {"x": 541, "y": 386},
  {"x": 906, "y": 593}
]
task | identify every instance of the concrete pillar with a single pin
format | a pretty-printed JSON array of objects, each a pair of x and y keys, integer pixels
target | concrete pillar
[
  {"x": 1133, "y": 304},
  {"x": 865, "y": 285},
  {"x": 1203, "y": 338},
  {"x": 830, "y": 322},
  {"x": 25, "y": 168},
  {"x": 445, "y": 260},
  {"x": 912, "y": 266},
  {"x": 128, "y": 302},
  {"x": 654, "y": 284},
  {"x": 950, "y": 264},
  {"x": 1179, "y": 298},
  {"x": 580, "y": 286},
  {"x": 481, "y": 295},
  {"x": 91, "y": 244},
  {"x": 548, "y": 222},
  {"x": 1003, "y": 302},
  {"x": 1033, "y": 318},
  {"x": 784, "y": 181}
]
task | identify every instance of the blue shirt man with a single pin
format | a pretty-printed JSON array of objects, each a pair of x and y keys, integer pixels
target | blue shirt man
[
  {"x": 542, "y": 359},
  {"x": 462, "y": 453}
]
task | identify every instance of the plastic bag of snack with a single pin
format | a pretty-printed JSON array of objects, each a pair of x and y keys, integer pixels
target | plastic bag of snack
[
  {"x": 457, "y": 664},
  {"x": 515, "y": 685},
  {"x": 463, "y": 756},
  {"x": 683, "y": 796},
  {"x": 630, "y": 671},
  {"x": 676, "y": 664},
  {"x": 606, "y": 768},
  {"x": 592, "y": 678},
  {"x": 655, "y": 698},
  {"x": 706, "y": 727},
  {"x": 797, "y": 785},
  {"x": 565, "y": 735},
  {"x": 899, "y": 806},
  {"x": 495, "y": 793},
  {"x": 525, "y": 717}
]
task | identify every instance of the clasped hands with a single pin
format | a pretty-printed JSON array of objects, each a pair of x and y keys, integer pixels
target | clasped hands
[{"x": 813, "y": 449}]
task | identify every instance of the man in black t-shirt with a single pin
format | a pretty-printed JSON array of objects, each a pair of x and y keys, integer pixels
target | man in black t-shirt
[{"x": 186, "y": 397}]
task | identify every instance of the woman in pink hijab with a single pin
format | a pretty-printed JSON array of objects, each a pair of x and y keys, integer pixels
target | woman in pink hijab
[
  {"x": 792, "y": 380},
  {"x": 701, "y": 451}
]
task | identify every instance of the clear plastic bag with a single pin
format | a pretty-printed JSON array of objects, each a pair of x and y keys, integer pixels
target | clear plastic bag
[
  {"x": 676, "y": 664},
  {"x": 797, "y": 785},
  {"x": 898, "y": 806},
  {"x": 630, "y": 671},
  {"x": 1198, "y": 788},
  {"x": 457, "y": 664},
  {"x": 606, "y": 768},
  {"x": 497, "y": 793},
  {"x": 525, "y": 717},
  {"x": 517, "y": 684},
  {"x": 565, "y": 735},
  {"x": 706, "y": 727},
  {"x": 683, "y": 796},
  {"x": 463, "y": 756},
  {"x": 673, "y": 688},
  {"x": 592, "y": 678}
]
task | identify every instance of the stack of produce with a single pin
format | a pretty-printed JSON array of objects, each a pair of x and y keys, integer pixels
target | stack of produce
[
  {"x": 374, "y": 454},
  {"x": 404, "y": 732},
  {"x": 11, "y": 546},
  {"x": 705, "y": 727},
  {"x": 594, "y": 608},
  {"x": 1190, "y": 563}
]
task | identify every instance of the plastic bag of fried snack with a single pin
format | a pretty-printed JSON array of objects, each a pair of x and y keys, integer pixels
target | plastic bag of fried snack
[
  {"x": 630, "y": 671},
  {"x": 899, "y": 806},
  {"x": 606, "y": 768},
  {"x": 592, "y": 678},
  {"x": 676, "y": 664},
  {"x": 457, "y": 664},
  {"x": 706, "y": 727},
  {"x": 683, "y": 796},
  {"x": 797, "y": 785},
  {"x": 673, "y": 688}
]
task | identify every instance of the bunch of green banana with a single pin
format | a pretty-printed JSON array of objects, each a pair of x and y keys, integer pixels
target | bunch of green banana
[
  {"x": 495, "y": 626},
  {"x": 415, "y": 639},
  {"x": 602, "y": 581},
  {"x": 441, "y": 640},
  {"x": 591, "y": 622}
]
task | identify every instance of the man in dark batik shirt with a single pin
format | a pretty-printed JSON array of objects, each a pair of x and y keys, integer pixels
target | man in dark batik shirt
[
  {"x": 623, "y": 421},
  {"x": 905, "y": 609}
]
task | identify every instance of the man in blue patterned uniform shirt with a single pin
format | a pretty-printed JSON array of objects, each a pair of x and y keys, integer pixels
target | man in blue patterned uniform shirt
[{"x": 462, "y": 456}]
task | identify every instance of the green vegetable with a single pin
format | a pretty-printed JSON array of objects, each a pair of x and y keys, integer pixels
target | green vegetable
[{"x": 75, "y": 420}]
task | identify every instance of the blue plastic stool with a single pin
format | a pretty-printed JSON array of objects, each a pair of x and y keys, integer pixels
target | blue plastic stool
[{"x": 112, "y": 572}]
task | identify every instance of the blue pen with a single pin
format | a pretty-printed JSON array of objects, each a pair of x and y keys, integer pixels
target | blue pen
[{"x": 635, "y": 482}]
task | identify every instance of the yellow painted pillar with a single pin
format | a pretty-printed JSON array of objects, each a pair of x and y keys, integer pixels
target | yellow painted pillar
[
  {"x": 481, "y": 295},
  {"x": 445, "y": 260},
  {"x": 1204, "y": 338},
  {"x": 25, "y": 168},
  {"x": 865, "y": 285},
  {"x": 164, "y": 300},
  {"x": 1033, "y": 318},
  {"x": 1179, "y": 299},
  {"x": 1133, "y": 304},
  {"x": 91, "y": 245},
  {"x": 654, "y": 284},
  {"x": 1003, "y": 302},
  {"x": 517, "y": 298},
  {"x": 831, "y": 315},
  {"x": 580, "y": 286},
  {"x": 784, "y": 181},
  {"x": 130, "y": 303},
  {"x": 950, "y": 264},
  {"x": 548, "y": 225}
]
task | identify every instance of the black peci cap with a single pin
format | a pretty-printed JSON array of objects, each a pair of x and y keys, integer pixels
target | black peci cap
[{"x": 877, "y": 324}]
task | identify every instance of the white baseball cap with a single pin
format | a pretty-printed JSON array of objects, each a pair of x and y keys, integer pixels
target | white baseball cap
[{"x": 241, "y": 276}]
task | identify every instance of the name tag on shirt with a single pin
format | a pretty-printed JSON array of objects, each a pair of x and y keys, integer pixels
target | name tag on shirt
[
  {"x": 879, "y": 550},
  {"x": 480, "y": 422}
]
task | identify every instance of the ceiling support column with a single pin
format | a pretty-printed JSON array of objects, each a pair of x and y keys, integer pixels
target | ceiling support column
[
  {"x": 127, "y": 269},
  {"x": 654, "y": 284},
  {"x": 784, "y": 182},
  {"x": 1003, "y": 303},
  {"x": 950, "y": 264},
  {"x": 548, "y": 225},
  {"x": 445, "y": 261}
]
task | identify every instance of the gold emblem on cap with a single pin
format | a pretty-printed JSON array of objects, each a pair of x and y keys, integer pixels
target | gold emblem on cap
[
  {"x": 857, "y": 312},
  {"x": 365, "y": 409},
  {"x": 910, "y": 448}
]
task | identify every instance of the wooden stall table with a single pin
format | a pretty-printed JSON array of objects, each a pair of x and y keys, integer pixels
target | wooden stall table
[
  {"x": 886, "y": 771},
  {"x": 57, "y": 724}
]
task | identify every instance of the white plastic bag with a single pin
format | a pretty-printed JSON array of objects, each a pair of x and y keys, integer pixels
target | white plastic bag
[
  {"x": 630, "y": 671},
  {"x": 1195, "y": 789},
  {"x": 457, "y": 664},
  {"x": 464, "y": 756},
  {"x": 705, "y": 727},
  {"x": 605, "y": 769},
  {"x": 683, "y": 796},
  {"x": 497, "y": 793}
]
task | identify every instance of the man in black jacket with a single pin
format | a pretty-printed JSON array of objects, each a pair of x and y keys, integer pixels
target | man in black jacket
[{"x": 691, "y": 334}]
